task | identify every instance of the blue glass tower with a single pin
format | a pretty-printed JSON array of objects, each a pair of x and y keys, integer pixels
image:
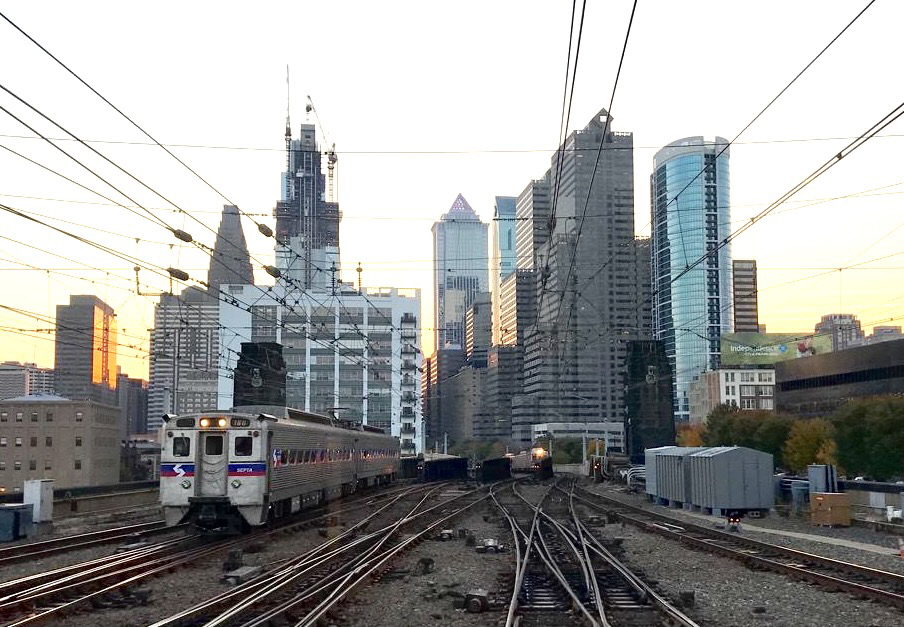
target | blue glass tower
[{"x": 690, "y": 216}]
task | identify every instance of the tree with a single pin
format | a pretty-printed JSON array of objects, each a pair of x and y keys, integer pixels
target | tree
[
  {"x": 809, "y": 442},
  {"x": 772, "y": 433},
  {"x": 870, "y": 436},
  {"x": 690, "y": 435},
  {"x": 720, "y": 426}
]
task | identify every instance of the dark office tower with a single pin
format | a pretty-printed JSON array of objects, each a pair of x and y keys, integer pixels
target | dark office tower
[
  {"x": 307, "y": 221},
  {"x": 692, "y": 297},
  {"x": 532, "y": 223},
  {"x": 746, "y": 318},
  {"x": 478, "y": 331},
  {"x": 260, "y": 375},
  {"x": 85, "y": 351},
  {"x": 648, "y": 384},
  {"x": 230, "y": 261},
  {"x": 587, "y": 283}
]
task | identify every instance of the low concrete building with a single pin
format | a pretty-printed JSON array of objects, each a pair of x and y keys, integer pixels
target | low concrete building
[
  {"x": 610, "y": 432},
  {"x": 816, "y": 386},
  {"x": 75, "y": 443}
]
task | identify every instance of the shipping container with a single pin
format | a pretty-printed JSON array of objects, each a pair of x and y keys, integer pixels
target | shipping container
[
  {"x": 673, "y": 474},
  {"x": 650, "y": 466}
]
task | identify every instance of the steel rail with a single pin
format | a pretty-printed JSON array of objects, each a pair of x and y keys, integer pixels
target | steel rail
[
  {"x": 292, "y": 573},
  {"x": 717, "y": 541},
  {"x": 271, "y": 579},
  {"x": 21, "y": 552},
  {"x": 373, "y": 566}
]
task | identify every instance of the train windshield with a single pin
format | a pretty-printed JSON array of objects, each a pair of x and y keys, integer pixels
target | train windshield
[
  {"x": 243, "y": 446},
  {"x": 181, "y": 446},
  {"x": 213, "y": 445}
]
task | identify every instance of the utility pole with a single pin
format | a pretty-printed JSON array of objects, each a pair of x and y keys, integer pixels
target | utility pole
[{"x": 445, "y": 443}]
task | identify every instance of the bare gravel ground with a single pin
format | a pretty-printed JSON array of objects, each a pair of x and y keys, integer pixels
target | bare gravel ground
[
  {"x": 408, "y": 598},
  {"x": 729, "y": 595},
  {"x": 891, "y": 563}
]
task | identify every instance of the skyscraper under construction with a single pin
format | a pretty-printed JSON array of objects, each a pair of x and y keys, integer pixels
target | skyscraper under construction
[{"x": 307, "y": 221}]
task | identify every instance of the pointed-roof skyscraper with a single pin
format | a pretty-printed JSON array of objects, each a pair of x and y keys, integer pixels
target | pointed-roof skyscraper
[
  {"x": 230, "y": 261},
  {"x": 460, "y": 270}
]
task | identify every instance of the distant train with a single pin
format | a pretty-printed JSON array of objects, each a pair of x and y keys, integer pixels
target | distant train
[
  {"x": 536, "y": 461},
  {"x": 229, "y": 470}
]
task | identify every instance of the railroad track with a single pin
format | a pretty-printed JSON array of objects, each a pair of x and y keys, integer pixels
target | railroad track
[
  {"x": 304, "y": 589},
  {"x": 580, "y": 581},
  {"x": 834, "y": 575},
  {"x": 37, "y": 550},
  {"x": 49, "y": 596}
]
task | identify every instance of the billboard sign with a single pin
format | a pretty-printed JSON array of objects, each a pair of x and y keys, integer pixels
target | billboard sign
[{"x": 763, "y": 349}]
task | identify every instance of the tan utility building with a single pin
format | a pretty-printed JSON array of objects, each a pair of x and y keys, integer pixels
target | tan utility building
[{"x": 75, "y": 443}]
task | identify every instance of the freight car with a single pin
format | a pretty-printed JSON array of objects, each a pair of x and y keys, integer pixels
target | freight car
[
  {"x": 496, "y": 469},
  {"x": 230, "y": 470},
  {"x": 439, "y": 467}
]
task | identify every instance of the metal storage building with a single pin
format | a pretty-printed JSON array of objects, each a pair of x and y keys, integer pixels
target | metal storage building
[
  {"x": 673, "y": 474},
  {"x": 650, "y": 466},
  {"x": 731, "y": 478}
]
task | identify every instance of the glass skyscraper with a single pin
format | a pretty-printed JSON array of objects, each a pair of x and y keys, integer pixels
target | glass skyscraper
[{"x": 690, "y": 216}]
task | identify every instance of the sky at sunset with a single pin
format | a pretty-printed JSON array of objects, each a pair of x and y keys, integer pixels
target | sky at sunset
[{"x": 425, "y": 102}]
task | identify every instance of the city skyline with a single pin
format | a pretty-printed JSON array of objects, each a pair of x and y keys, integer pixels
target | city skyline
[{"x": 386, "y": 227}]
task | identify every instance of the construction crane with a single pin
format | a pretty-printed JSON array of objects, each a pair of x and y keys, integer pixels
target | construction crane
[{"x": 331, "y": 157}]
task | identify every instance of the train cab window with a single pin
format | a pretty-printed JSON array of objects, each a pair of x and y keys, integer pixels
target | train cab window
[
  {"x": 213, "y": 445},
  {"x": 181, "y": 446},
  {"x": 243, "y": 446}
]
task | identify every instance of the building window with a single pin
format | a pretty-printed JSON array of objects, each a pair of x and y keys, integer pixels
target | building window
[
  {"x": 18, "y": 416},
  {"x": 747, "y": 377},
  {"x": 2, "y": 441},
  {"x": 48, "y": 441},
  {"x": 78, "y": 416},
  {"x": 49, "y": 416},
  {"x": 727, "y": 390},
  {"x": 34, "y": 416},
  {"x": 748, "y": 403},
  {"x": 18, "y": 441},
  {"x": 2, "y": 465},
  {"x": 48, "y": 464},
  {"x": 78, "y": 464},
  {"x": 4, "y": 416},
  {"x": 17, "y": 465},
  {"x": 765, "y": 377},
  {"x": 32, "y": 464},
  {"x": 78, "y": 440},
  {"x": 34, "y": 441}
]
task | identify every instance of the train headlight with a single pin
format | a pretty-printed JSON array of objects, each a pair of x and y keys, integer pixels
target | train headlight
[
  {"x": 185, "y": 484},
  {"x": 205, "y": 422},
  {"x": 221, "y": 422},
  {"x": 236, "y": 483}
]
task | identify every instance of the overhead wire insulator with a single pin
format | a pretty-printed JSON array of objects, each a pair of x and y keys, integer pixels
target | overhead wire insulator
[
  {"x": 265, "y": 230},
  {"x": 176, "y": 273},
  {"x": 182, "y": 235},
  {"x": 273, "y": 271}
]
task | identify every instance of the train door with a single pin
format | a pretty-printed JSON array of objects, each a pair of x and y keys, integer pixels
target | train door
[{"x": 213, "y": 464}]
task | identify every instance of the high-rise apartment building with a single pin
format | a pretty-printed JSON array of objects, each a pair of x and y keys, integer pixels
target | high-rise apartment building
[
  {"x": 307, "y": 220},
  {"x": 185, "y": 342},
  {"x": 692, "y": 299},
  {"x": 355, "y": 353},
  {"x": 85, "y": 350},
  {"x": 746, "y": 316},
  {"x": 459, "y": 268},
  {"x": 518, "y": 307},
  {"x": 503, "y": 260},
  {"x": 844, "y": 329},
  {"x": 24, "y": 380},
  {"x": 133, "y": 403},
  {"x": 589, "y": 293}
]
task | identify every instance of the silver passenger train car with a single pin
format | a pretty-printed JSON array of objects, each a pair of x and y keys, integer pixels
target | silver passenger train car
[{"x": 228, "y": 470}]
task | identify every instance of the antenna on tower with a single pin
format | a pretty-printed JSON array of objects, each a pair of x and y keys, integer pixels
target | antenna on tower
[
  {"x": 359, "y": 270},
  {"x": 289, "y": 175}
]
